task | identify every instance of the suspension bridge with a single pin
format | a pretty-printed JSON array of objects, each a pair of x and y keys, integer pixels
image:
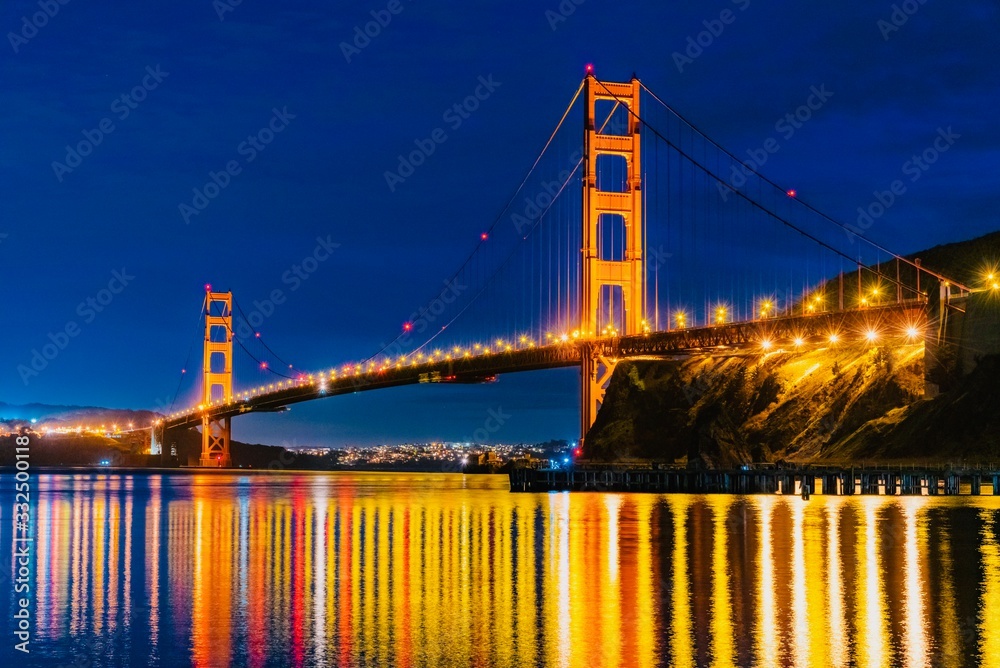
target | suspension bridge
[{"x": 661, "y": 252}]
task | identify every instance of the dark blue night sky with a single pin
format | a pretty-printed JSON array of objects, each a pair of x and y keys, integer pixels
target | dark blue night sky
[{"x": 210, "y": 75}]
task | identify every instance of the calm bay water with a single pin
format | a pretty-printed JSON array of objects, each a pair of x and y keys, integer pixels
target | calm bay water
[{"x": 374, "y": 569}]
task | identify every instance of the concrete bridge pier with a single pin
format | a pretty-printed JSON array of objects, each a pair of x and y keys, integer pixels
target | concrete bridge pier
[
  {"x": 766, "y": 483},
  {"x": 747, "y": 484},
  {"x": 951, "y": 484},
  {"x": 892, "y": 484},
  {"x": 849, "y": 483},
  {"x": 869, "y": 483},
  {"x": 833, "y": 484},
  {"x": 788, "y": 484},
  {"x": 806, "y": 484},
  {"x": 781, "y": 480}
]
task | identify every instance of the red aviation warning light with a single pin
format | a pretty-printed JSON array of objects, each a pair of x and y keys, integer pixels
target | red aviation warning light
[
  {"x": 792, "y": 193},
  {"x": 407, "y": 326},
  {"x": 589, "y": 68},
  {"x": 484, "y": 236}
]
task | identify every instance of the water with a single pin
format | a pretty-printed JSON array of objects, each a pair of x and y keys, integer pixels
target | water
[{"x": 373, "y": 569}]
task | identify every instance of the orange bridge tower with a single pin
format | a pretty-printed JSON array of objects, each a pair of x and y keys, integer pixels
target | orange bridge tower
[
  {"x": 218, "y": 377},
  {"x": 618, "y": 283}
]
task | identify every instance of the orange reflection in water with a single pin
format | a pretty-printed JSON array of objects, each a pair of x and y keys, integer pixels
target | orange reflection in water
[{"x": 446, "y": 570}]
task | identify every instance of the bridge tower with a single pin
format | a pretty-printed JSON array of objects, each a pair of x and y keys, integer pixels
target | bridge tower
[
  {"x": 218, "y": 378},
  {"x": 601, "y": 207}
]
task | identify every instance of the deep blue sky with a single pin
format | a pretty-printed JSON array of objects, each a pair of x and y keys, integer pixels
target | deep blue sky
[{"x": 323, "y": 174}]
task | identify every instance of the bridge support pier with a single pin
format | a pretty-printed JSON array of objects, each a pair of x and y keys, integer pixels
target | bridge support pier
[
  {"x": 215, "y": 435},
  {"x": 595, "y": 375}
]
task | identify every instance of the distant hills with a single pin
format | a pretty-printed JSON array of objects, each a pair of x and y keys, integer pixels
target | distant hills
[
  {"x": 54, "y": 415},
  {"x": 73, "y": 414},
  {"x": 963, "y": 261}
]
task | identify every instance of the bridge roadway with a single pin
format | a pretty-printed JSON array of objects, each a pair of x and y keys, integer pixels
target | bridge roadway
[{"x": 891, "y": 322}]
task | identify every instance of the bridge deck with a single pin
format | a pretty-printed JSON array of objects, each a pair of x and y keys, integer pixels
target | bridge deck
[{"x": 891, "y": 321}]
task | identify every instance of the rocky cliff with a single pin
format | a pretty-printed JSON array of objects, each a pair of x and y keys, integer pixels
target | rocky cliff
[{"x": 839, "y": 403}]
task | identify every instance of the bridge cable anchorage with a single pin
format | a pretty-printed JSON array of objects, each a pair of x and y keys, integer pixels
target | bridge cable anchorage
[
  {"x": 496, "y": 221},
  {"x": 798, "y": 199},
  {"x": 751, "y": 201}
]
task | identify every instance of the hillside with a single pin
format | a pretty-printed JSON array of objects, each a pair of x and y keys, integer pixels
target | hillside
[
  {"x": 131, "y": 450},
  {"x": 734, "y": 408},
  {"x": 12, "y": 416},
  {"x": 844, "y": 403}
]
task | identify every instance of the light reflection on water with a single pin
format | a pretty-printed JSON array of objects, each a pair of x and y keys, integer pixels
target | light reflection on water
[{"x": 353, "y": 569}]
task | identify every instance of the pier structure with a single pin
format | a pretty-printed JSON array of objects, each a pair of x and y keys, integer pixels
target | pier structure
[{"x": 837, "y": 481}]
